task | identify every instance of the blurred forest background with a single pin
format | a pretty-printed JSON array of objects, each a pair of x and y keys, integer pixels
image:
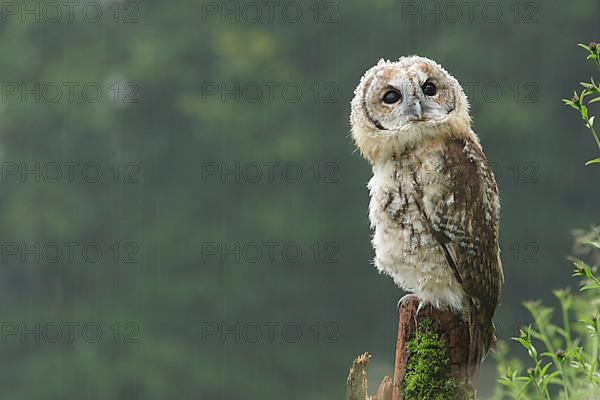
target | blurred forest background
[{"x": 200, "y": 290}]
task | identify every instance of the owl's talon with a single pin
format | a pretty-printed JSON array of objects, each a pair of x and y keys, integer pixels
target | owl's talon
[
  {"x": 403, "y": 299},
  {"x": 420, "y": 307}
]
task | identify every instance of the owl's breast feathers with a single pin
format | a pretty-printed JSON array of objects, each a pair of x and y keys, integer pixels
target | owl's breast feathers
[
  {"x": 454, "y": 192},
  {"x": 461, "y": 204}
]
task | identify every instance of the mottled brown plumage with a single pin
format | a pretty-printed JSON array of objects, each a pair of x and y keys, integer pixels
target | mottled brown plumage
[{"x": 434, "y": 200}]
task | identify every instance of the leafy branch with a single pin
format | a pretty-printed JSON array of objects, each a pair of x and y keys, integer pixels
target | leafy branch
[
  {"x": 590, "y": 89},
  {"x": 564, "y": 356}
]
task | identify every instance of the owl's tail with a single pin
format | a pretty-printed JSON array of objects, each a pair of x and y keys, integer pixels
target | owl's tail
[
  {"x": 482, "y": 339},
  {"x": 483, "y": 336},
  {"x": 488, "y": 337}
]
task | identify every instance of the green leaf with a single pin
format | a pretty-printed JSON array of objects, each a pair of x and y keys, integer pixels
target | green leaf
[
  {"x": 583, "y": 46},
  {"x": 584, "y": 112},
  {"x": 570, "y": 104},
  {"x": 594, "y": 161},
  {"x": 593, "y": 242}
]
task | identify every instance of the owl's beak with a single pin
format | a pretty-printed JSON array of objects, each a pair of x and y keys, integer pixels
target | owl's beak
[{"x": 415, "y": 110}]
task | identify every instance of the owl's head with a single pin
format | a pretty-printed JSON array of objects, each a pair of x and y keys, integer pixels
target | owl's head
[{"x": 397, "y": 104}]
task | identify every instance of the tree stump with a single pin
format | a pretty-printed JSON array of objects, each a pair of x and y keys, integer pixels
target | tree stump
[
  {"x": 356, "y": 386},
  {"x": 437, "y": 344}
]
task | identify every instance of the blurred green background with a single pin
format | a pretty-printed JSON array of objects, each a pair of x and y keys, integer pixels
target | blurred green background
[{"x": 215, "y": 282}]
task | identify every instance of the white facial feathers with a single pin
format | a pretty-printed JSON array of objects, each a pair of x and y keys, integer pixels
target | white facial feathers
[{"x": 398, "y": 103}]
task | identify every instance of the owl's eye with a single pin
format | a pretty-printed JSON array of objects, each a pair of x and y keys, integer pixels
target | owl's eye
[
  {"x": 391, "y": 97},
  {"x": 429, "y": 89}
]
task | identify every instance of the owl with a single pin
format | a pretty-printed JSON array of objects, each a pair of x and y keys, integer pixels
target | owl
[{"x": 434, "y": 204}]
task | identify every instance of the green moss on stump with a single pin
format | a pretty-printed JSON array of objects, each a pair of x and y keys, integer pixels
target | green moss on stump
[{"x": 427, "y": 376}]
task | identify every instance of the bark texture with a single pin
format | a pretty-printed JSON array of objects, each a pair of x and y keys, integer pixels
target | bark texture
[{"x": 461, "y": 340}]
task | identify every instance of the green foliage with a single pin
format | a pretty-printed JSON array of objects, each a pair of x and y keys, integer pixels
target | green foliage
[
  {"x": 427, "y": 375},
  {"x": 591, "y": 88},
  {"x": 564, "y": 356}
]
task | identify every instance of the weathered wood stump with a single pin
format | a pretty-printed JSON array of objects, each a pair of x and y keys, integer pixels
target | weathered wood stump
[
  {"x": 356, "y": 386},
  {"x": 439, "y": 345}
]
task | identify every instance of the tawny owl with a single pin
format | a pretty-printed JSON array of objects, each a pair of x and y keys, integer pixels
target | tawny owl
[{"x": 434, "y": 201}]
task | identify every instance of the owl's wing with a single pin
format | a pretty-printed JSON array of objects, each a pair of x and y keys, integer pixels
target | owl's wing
[{"x": 461, "y": 204}]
